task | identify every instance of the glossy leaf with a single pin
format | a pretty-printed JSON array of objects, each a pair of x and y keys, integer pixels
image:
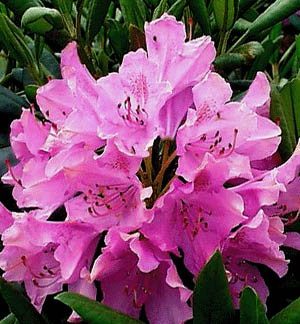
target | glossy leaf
[
  {"x": 241, "y": 56},
  {"x": 19, "y": 305},
  {"x": 282, "y": 111},
  {"x": 20, "y": 6},
  {"x": 93, "y": 312},
  {"x": 10, "y": 319},
  {"x": 275, "y": 13},
  {"x": 14, "y": 41},
  {"x": 97, "y": 11},
  {"x": 289, "y": 315},
  {"x": 118, "y": 37},
  {"x": 212, "y": 302},
  {"x": 200, "y": 12},
  {"x": 160, "y": 9},
  {"x": 245, "y": 4},
  {"x": 10, "y": 103},
  {"x": 252, "y": 310},
  {"x": 41, "y": 20},
  {"x": 134, "y": 12},
  {"x": 177, "y": 9},
  {"x": 225, "y": 12}
]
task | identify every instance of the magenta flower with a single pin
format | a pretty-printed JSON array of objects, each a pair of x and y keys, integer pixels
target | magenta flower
[
  {"x": 45, "y": 255},
  {"x": 157, "y": 159},
  {"x": 136, "y": 271}
]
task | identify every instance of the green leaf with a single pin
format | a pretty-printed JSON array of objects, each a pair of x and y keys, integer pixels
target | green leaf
[
  {"x": 134, "y": 12},
  {"x": 10, "y": 103},
  {"x": 243, "y": 55},
  {"x": 93, "y": 312},
  {"x": 41, "y": 20},
  {"x": 212, "y": 302},
  {"x": 289, "y": 315},
  {"x": 30, "y": 91},
  {"x": 118, "y": 37},
  {"x": 282, "y": 111},
  {"x": 177, "y": 9},
  {"x": 97, "y": 11},
  {"x": 20, "y": 6},
  {"x": 160, "y": 9},
  {"x": 14, "y": 41},
  {"x": 252, "y": 310},
  {"x": 245, "y": 5},
  {"x": 19, "y": 305},
  {"x": 291, "y": 96},
  {"x": 275, "y": 13},
  {"x": 225, "y": 12},
  {"x": 199, "y": 10},
  {"x": 298, "y": 50},
  {"x": 262, "y": 60},
  {"x": 10, "y": 319}
]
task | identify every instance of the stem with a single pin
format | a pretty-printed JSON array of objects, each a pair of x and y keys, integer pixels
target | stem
[
  {"x": 148, "y": 165},
  {"x": 159, "y": 178},
  {"x": 167, "y": 186},
  {"x": 166, "y": 151}
]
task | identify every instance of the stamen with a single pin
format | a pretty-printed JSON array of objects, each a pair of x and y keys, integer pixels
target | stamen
[{"x": 9, "y": 168}]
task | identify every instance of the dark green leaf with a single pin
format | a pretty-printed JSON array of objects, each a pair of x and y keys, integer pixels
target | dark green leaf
[
  {"x": 42, "y": 20},
  {"x": 19, "y": 305},
  {"x": 134, "y": 12},
  {"x": 212, "y": 302},
  {"x": 118, "y": 37},
  {"x": 97, "y": 12},
  {"x": 252, "y": 310},
  {"x": 298, "y": 50},
  {"x": 20, "y": 6},
  {"x": 282, "y": 111},
  {"x": 30, "y": 92},
  {"x": 93, "y": 312},
  {"x": 262, "y": 60},
  {"x": 10, "y": 319},
  {"x": 245, "y": 4},
  {"x": 10, "y": 103},
  {"x": 160, "y": 9},
  {"x": 14, "y": 41},
  {"x": 230, "y": 61},
  {"x": 289, "y": 315},
  {"x": 242, "y": 55},
  {"x": 199, "y": 10},
  {"x": 225, "y": 12},
  {"x": 177, "y": 9},
  {"x": 275, "y": 13}
]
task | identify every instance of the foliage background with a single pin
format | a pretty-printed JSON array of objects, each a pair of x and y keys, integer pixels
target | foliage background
[{"x": 250, "y": 36}]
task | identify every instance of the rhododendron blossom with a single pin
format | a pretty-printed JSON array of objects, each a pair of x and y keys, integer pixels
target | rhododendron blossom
[{"x": 150, "y": 163}]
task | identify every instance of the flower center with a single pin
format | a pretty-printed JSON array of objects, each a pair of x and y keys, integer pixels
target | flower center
[{"x": 158, "y": 169}]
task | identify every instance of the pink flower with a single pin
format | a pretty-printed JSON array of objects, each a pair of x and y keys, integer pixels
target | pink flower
[
  {"x": 252, "y": 243},
  {"x": 158, "y": 160},
  {"x": 6, "y": 219},
  {"x": 222, "y": 128},
  {"x": 196, "y": 217},
  {"x": 182, "y": 64},
  {"x": 45, "y": 255},
  {"x": 135, "y": 273},
  {"x": 129, "y": 104}
]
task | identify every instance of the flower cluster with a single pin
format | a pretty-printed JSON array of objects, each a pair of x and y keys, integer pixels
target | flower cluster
[{"x": 120, "y": 176}]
